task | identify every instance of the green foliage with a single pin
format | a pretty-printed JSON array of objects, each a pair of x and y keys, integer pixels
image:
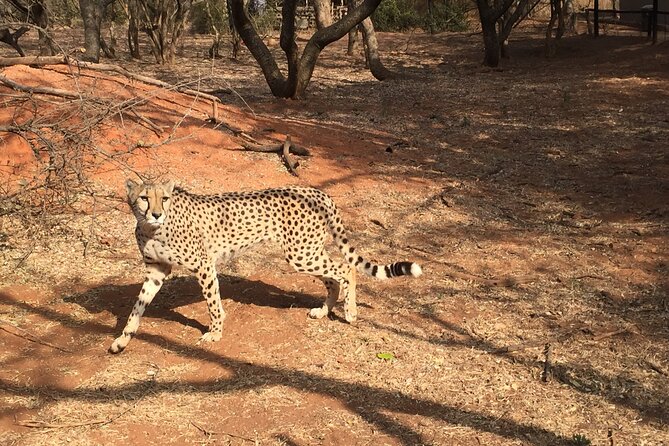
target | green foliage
[
  {"x": 395, "y": 15},
  {"x": 200, "y": 22},
  {"x": 446, "y": 16},
  {"x": 403, "y": 15},
  {"x": 63, "y": 12},
  {"x": 580, "y": 440},
  {"x": 265, "y": 22}
]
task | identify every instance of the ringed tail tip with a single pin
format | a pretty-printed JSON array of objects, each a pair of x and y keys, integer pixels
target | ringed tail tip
[{"x": 416, "y": 270}]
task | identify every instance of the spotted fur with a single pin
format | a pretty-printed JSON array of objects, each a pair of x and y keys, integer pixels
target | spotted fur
[{"x": 176, "y": 227}]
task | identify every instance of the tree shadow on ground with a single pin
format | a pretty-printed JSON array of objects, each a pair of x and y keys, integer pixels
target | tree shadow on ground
[
  {"x": 369, "y": 402},
  {"x": 615, "y": 389},
  {"x": 181, "y": 291}
]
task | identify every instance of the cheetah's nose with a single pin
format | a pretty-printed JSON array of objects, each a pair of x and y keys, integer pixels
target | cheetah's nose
[{"x": 155, "y": 215}]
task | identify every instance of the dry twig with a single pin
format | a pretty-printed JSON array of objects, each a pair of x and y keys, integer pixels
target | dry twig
[
  {"x": 208, "y": 433},
  {"x": 29, "y": 336},
  {"x": 545, "y": 375},
  {"x": 100, "y": 422},
  {"x": 39, "y": 90},
  {"x": 290, "y": 163}
]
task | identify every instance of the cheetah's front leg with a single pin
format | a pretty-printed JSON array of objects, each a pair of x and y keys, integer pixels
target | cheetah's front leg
[
  {"x": 155, "y": 275},
  {"x": 206, "y": 276}
]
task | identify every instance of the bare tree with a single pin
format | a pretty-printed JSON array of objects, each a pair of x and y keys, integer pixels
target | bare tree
[
  {"x": 92, "y": 12},
  {"x": 164, "y": 22},
  {"x": 498, "y": 18},
  {"x": 35, "y": 12},
  {"x": 132, "y": 34},
  {"x": 371, "y": 46},
  {"x": 379, "y": 71},
  {"x": 300, "y": 68},
  {"x": 557, "y": 24}
]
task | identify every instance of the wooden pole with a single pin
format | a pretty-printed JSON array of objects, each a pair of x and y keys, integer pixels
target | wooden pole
[
  {"x": 653, "y": 19},
  {"x": 597, "y": 18}
]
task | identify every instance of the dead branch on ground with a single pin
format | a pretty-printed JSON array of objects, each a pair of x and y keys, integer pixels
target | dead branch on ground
[
  {"x": 290, "y": 163},
  {"x": 284, "y": 150},
  {"x": 63, "y": 59},
  {"x": 272, "y": 148},
  {"x": 99, "y": 422},
  {"x": 209, "y": 433},
  {"x": 39, "y": 90},
  {"x": 25, "y": 334}
]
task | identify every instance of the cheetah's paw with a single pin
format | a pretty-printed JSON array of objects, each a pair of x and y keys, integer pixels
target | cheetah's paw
[
  {"x": 318, "y": 313},
  {"x": 210, "y": 336}
]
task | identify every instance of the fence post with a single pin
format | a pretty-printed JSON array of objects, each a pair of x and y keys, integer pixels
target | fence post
[
  {"x": 596, "y": 20},
  {"x": 653, "y": 20}
]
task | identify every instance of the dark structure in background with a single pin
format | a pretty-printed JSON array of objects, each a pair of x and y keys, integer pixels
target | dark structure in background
[{"x": 642, "y": 13}]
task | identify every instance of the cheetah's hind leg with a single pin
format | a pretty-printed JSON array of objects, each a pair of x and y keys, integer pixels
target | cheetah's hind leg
[
  {"x": 339, "y": 279},
  {"x": 333, "y": 294}
]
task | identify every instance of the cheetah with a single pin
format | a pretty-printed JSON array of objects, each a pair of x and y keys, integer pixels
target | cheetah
[{"x": 176, "y": 227}]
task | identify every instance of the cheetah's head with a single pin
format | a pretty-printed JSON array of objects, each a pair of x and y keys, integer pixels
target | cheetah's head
[{"x": 150, "y": 202}]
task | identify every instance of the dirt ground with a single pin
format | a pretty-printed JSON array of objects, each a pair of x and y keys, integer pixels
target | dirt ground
[{"x": 534, "y": 195}]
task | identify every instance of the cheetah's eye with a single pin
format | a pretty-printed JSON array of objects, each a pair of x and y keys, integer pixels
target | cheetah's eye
[
  {"x": 144, "y": 198},
  {"x": 165, "y": 199}
]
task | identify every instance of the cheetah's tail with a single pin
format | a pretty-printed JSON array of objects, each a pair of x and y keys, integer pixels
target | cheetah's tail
[{"x": 388, "y": 271}]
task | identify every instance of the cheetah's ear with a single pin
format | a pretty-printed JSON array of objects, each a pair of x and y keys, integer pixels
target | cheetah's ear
[
  {"x": 131, "y": 186},
  {"x": 169, "y": 186}
]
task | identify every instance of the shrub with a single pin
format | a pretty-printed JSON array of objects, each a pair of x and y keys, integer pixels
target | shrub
[
  {"x": 446, "y": 16},
  {"x": 403, "y": 15},
  {"x": 395, "y": 15}
]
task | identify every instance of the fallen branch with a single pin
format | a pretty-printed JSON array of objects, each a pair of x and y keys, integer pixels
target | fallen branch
[
  {"x": 284, "y": 150},
  {"x": 39, "y": 90},
  {"x": 290, "y": 163},
  {"x": 157, "y": 130},
  {"x": 100, "y": 422},
  {"x": 297, "y": 150},
  {"x": 561, "y": 336},
  {"x": 655, "y": 366},
  {"x": 208, "y": 433},
  {"x": 62, "y": 59},
  {"x": 609, "y": 334},
  {"x": 546, "y": 373},
  {"x": 21, "y": 333}
]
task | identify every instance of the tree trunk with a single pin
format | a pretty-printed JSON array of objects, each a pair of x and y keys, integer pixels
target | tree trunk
[
  {"x": 133, "y": 29},
  {"x": 490, "y": 40},
  {"x": 379, "y": 71},
  {"x": 353, "y": 33},
  {"x": 91, "y": 13},
  {"x": 236, "y": 40},
  {"x": 323, "y": 10},
  {"x": 489, "y": 15}
]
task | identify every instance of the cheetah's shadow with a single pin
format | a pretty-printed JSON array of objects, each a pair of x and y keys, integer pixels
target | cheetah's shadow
[{"x": 182, "y": 291}]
